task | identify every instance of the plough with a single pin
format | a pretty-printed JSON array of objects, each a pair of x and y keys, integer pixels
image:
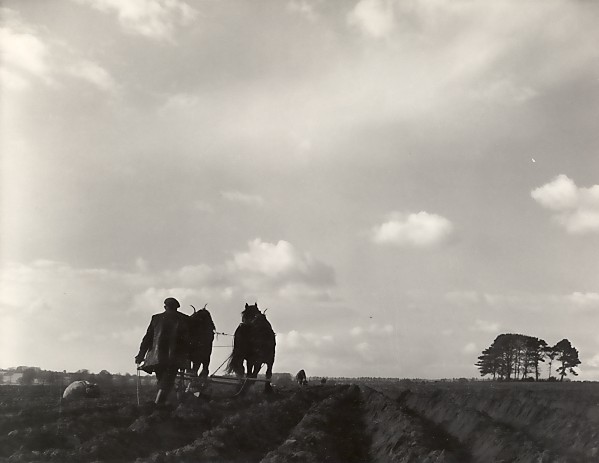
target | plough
[
  {"x": 202, "y": 385},
  {"x": 191, "y": 384}
]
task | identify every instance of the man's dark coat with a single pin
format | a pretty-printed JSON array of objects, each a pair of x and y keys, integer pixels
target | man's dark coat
[{"x": 166, "y": 342}]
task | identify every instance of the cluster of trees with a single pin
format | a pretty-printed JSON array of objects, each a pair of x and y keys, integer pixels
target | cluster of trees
[
  {"x": 519, "y": 357},
  {"x": 35, "y": 375}
]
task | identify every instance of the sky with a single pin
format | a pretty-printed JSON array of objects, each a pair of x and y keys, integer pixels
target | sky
[{"x": 396, "y": 182}]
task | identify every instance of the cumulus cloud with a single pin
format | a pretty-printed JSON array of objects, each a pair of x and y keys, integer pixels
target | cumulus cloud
[
  {"x": 24, "y": 54},
  {"x": 374, "y": 18},
  {"x": 243, "y": 198},
  {"x": 155, "y": 19},
  {"x": 94, "y": 74},
  {"x": 264, "y": 270},
  {"x": 420, "y": 230},
  {"x": 28, "y": 55},
  {"x": 574, "y": 208},
  {"x": 559, "y": 194},
  {"x": 280, "y": 263}
]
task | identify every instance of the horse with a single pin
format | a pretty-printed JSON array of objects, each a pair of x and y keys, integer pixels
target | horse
[
  {"x": 301, "y": 378},
  {"x": 202, "y": 335},
  {"x": 253, "y": 342}
]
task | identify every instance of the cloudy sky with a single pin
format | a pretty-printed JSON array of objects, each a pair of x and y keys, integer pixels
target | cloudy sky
[{"x": 396, "y": 181}]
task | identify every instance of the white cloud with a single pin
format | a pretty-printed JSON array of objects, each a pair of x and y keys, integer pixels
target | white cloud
[
  {"x": 28, "y": 55},
  {"x": 375, "y": 18},
  {"x": 559, "y": 194},
  {"x": 155, "y": 19},
  {"x": 575, "y": 208},
  {"x": 282, "y": 263},
  {"x": 24, "y": 54},
  {"x": 584, "y": 300},
  {"x": 269, "y": 259},
  {"x": 243, "y": 198},
  {"x": 420, "y": 230},
  {"x": 94, "y": 74},
  {"x": 485, "y": 326}
]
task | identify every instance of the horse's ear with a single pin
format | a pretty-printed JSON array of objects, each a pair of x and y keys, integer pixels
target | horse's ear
[
  {"x": 246, "y": 305},
  {"x": 256, "y": 304}
]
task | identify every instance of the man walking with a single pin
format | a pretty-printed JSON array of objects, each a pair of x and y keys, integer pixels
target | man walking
[{"x": 165, "y": 347}]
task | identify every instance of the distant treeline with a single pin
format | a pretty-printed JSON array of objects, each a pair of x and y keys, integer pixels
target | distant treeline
[
  {"x": 519, "y": 357},
  {"x": 36, "y": 376}
]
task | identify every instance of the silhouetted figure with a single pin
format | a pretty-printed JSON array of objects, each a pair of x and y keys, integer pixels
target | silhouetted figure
[
  {"x": 165, "y": 347},
  {"x": 202, "y": 335},
  {"x": 253, "y": 343},
  {"x": 301, "y": 378}
]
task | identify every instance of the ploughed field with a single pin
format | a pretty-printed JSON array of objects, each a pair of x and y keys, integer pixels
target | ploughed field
[{"x": 393, "y": 421}]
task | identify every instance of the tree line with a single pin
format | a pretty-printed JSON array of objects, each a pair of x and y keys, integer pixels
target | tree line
[
  {"x": 35, "y": 375},
  {"x": 519, "y": 357}
]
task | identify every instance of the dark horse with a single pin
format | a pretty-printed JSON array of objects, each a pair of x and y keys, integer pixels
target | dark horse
[
  {"x": 202, "y": 335},
  {"x": 254, "y": 343}
]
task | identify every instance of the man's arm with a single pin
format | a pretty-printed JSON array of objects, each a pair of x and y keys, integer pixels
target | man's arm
[{"x": 146, "y": 343}]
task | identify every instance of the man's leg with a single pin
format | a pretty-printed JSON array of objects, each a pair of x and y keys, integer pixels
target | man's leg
[
  {"x": 166, "y": 376},
  {"x": 160, "y": 395}
]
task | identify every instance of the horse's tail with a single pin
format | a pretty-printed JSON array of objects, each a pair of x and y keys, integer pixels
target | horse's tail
[
  {"x": 235, "y": 363},
  {"x": 240, "y": 351}
]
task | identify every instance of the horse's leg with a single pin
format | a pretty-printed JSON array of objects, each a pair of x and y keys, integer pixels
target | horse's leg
[
  {"x": 256, "y": 369},
  {"x": 194, "y": 364},
  {"x": 247, "y": 373},
  {"x": 205, "y": 362},
  {"x": 267, "y": 385},
  {"x": 206, "y": 359}
]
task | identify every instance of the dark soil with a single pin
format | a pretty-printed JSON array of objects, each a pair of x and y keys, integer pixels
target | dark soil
[{"x": 383, "y": 422}]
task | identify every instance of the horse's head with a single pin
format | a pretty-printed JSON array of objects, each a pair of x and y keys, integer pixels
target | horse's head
[{"x": 250, "y": 312}]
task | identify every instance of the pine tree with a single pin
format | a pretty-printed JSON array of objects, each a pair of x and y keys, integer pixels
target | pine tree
[{"x": 568, "y": 355}]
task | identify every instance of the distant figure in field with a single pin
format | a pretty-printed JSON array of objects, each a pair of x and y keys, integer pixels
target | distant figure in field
[
  {"x": 165, "y": 347},
  {"x": 202, "y": 335},
  {"x": 81, "y": 390},
  {"x": 301, "y": 378}
]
